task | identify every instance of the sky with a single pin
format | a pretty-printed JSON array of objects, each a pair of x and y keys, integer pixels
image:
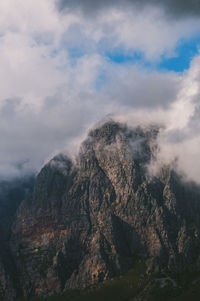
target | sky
[{"x": 66, "y": 65}]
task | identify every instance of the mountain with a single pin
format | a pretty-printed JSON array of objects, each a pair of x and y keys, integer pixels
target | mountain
[
  {"x": 96, "y": 218},
  {"x": 12, "y": 193}
]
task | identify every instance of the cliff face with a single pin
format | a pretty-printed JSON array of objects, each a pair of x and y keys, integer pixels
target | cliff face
[
  {"x": 11, "y": 195},
  {"x": 88, "y": 221}
]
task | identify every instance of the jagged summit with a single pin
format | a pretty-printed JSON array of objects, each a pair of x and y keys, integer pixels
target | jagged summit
[
  {"x": 111, "y": 130},
  {"x": 88, "y": 221}
]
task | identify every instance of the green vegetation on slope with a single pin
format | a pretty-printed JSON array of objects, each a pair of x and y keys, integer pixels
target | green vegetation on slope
[{"x": 136, "y": 285}]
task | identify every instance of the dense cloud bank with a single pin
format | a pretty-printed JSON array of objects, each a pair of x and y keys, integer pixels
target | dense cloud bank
[{"x": 58, "y": 81}]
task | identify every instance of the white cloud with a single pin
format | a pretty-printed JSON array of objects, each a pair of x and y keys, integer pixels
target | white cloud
[
  {"x": 180, "y": 140},
  {"x": 49, "y": 98},
  {"x": 148, "y": 31}
]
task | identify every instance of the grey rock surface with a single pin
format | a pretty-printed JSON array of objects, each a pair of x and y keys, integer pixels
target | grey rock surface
[{"x": 87, "y": 221}]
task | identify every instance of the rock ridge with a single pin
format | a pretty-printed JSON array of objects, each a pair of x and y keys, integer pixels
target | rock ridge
[{"x": 89, "y": 220}]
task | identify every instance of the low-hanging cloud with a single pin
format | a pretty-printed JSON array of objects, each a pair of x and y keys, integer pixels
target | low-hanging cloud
[{"x": 30, "y": 134}]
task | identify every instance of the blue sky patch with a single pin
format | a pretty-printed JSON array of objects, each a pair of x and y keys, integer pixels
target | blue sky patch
[
  {"x": 121, "y": 57},
  {"x": 185, "y": 51}
]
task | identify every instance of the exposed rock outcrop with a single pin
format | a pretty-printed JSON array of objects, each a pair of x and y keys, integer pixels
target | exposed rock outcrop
[{"x": 88, "y": 221}]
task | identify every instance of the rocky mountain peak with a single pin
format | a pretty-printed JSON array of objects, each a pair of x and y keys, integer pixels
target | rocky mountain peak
[{"x": 88, "y": 221}]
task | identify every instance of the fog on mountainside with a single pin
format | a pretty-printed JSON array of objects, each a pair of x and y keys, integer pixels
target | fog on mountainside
[
  {"x": 91, "y": 219},
  {"x": 99, "y": 150}
]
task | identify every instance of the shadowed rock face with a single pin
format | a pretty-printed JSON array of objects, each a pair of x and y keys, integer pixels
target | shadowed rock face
[
  {"x": 11, "y": 195},
  {"x": 88, "y": 221}
]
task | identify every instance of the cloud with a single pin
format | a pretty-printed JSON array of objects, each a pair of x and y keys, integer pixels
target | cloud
[
  {"x": 176, "y": 8},
  {"x": 180, "y": 139},
  {"x": 32, "y": 133},
  {"x": 126, "y": 86},
  {"x": 57, "y": 79},
  {"x": 129, "y": 27}
]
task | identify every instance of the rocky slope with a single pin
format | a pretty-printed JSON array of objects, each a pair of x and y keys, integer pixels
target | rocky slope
[
  {"x": 89, "y": 220},
  {"x": 12, "y": 193}
]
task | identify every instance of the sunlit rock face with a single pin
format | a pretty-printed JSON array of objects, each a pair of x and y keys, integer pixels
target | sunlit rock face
[{"x": 87, "y": 221}]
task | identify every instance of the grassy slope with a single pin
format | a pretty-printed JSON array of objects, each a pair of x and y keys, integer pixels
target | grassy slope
[{"x": 136, "y": 285}]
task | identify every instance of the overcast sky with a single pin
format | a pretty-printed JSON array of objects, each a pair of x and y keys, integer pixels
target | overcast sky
[
  {"x": 174, "y": 8},
  {"x": 65, "y": 65}
]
